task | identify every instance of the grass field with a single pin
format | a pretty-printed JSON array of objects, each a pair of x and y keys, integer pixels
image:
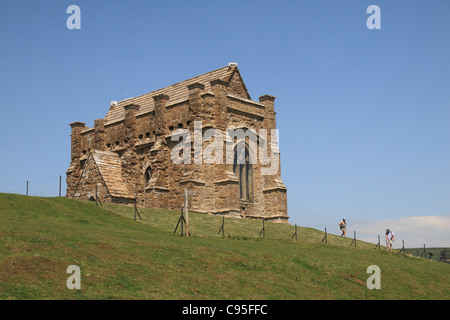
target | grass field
[{"x": 124, "y": 259}]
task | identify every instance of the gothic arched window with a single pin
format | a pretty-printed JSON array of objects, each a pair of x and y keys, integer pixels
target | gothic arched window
[
  {"x": 148, "y": 177},
  {"x": 243, "y": 170}
]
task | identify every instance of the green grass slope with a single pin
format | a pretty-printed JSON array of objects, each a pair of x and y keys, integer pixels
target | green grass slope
[{"x": 123, "y": 259}]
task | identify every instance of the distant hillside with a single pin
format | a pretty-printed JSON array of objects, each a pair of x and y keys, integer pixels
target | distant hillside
[
  {"x": 425, "y": 253},
  {"x": 124, "y": 259}
]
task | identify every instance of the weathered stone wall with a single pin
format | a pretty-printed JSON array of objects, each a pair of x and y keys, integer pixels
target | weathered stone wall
[
  {"x": 90, "y": 183},
  {"x": 143, "y": 141}
]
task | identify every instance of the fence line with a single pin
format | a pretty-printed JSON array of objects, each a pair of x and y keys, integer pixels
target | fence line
[{"x": 29, "y": 184}]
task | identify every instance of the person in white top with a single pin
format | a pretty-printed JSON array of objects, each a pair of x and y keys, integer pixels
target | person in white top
[{"x": 389, "y": 239}]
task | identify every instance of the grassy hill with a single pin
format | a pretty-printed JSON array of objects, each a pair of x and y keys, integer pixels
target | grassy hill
[{"x": 123, "y": 259}]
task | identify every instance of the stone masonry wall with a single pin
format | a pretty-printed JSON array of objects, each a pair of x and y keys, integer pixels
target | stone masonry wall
[{"x": 144, "y": 141}]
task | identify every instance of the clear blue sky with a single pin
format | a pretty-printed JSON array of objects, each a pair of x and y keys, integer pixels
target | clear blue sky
[{"x": 364, "y": 115}]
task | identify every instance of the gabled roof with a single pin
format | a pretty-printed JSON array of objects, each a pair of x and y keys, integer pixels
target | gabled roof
[
  {"x": 108, "y": 163},
  {"x": 177, "y": 93}
]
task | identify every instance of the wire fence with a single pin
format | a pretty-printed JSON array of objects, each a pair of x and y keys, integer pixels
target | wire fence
[
  {"x": 54, "y": 186},
  {"x": 57, "y": 186},
  {"x": 431, "y": 253}
]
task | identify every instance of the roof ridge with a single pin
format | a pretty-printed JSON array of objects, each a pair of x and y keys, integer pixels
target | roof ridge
[
  {"x": 174, "y": 84},
  {"x": 177, "y": 92}
]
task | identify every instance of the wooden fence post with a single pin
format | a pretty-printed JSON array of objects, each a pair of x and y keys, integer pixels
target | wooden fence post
[
  {"x": 354, "y": 238},
  {"x": 295, "y": 234},
  {"x": 222, "y": 227},
  {"x": 378, "y": 244},
  {"x": 263, "y": 230},
  {"x": 325, "y": 237}
]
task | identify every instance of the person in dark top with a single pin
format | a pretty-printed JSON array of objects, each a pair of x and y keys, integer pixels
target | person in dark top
[{"x": 343, "y": 226}]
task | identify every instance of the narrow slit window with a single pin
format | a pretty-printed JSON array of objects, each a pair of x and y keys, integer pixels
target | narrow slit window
[
  {"x": 148, "y": 177},
  {"x": 244, "y": 172}
]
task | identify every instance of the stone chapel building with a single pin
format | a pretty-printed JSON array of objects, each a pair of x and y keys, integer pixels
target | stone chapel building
[{"x": 127, "y": 156}]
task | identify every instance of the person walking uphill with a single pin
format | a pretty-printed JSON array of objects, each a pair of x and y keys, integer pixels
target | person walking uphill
[
  {"x": 343, "y": 226},
  {"x": 389, "y": 239}
]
